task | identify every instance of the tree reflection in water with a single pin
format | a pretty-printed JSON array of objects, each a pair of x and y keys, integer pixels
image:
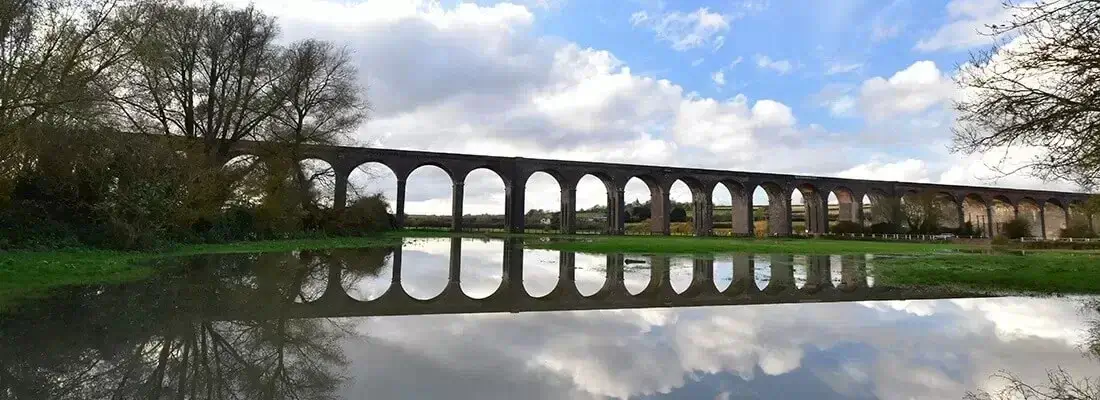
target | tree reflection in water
[
  {"x": 1060, "y": 385},
  {"x": 156, "y": 339}
]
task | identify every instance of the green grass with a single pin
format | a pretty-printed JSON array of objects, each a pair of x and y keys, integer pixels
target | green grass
[
  {"x": 1044, "y": 272},
  {"x": 708, "y": 245}
]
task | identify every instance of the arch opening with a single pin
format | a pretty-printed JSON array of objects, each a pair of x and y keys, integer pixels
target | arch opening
[
  {"x": 773, "y": 215},
  {"x": 315, "y": 184},
  {"x": 643, "y": 215},
  {"x": 372, "y": 183},
  {"x": 481, "y": 272},
  {"x": 429, "y": 198},
  {"x": 592, "y": 209},
  {"x": 809, "y": 211},
  {"x": 1080, "y": 223},
  {"x": 1029, "y": 210},
  {"x": 884, "y": 212},
  {"x": 365, "y": 274},
  {"x": 542, "y": 208},
  {"x": 721, "y": 200},
  {"x": 483, "y": 201},
  {"x": 541, "y": 271},
  {"x": 929, "y": 212},
  {"x": 1003, "y": 212},
  {"x": 591, "y": 273},
  {"x": 1055, "y": 220},
  {"x": 976, "y": 215},
  {"x": 691, "y": 209}
]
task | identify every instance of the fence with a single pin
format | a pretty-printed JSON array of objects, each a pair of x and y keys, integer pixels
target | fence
[{"x": 1068, "y": 240}]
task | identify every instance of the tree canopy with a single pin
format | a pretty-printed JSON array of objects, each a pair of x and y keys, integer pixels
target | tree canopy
[{"x": 1037, "y": 91}]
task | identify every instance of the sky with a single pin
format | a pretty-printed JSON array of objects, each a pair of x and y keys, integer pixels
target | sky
[{"x": 848, "y": 88}]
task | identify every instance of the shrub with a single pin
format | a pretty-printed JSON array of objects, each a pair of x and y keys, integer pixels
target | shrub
[
  {"x": 1078, "y": 230},
  {"x": 367, "y": 215},
  {"x": 681, "y": 228},
  {"x": 1001, "y": 240},
  {"x": 678, "y": 214},
  {"x": 1017, "y": 228},
  {"x": 886, "y": 228},
  {"x": 847, "y": 227}
]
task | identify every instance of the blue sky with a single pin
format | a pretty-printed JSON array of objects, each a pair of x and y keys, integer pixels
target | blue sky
[{"x": 851, "y": 88}]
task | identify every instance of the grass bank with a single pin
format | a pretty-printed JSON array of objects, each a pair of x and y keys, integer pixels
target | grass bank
[
  {"x": 32, "y": 273},
  {"x": 1039, "y": 272},
  {"x": 700, "y": 245}
]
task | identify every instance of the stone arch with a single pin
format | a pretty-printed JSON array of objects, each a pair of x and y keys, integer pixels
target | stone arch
[
  {"x": 951, "y": 212},
  {"x": 488, "y": 186},
  {"x": 777, "y": 212},
  {"x": 1031, "y": 210},
  {"x": 701, "y": 208},
  {"x": 1002, "y": 210},
  {"x": 544, "y": 211},
  {"x": 976, "y": 212},
  {"x": 421, "y": 164},
  {"x": 430, "y": 198},
  {"x": 1079, "y": 217},
  {"x": 659, "y": 204},
  {"x": 849, "y": 206},
  {"x": 590, "y": 215},
  {"x": 815, "y": 211},
  {"x": 240, "y": 168},
  {"x": 365, "y": 179},
  {"x": 739, "y": 208},
  {"x": 883, "y": 207},
  {"x": 1055, "y": 218}
]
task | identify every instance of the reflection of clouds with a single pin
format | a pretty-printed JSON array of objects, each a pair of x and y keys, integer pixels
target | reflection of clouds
[
  {"x": 891, "y": 349},
  {"x": 1016, "y": 320}
]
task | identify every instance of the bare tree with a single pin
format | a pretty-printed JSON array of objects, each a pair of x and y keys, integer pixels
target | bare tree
[
  {"x": 208, "y": 72},
  {"x": 923, "y": 212},
  {"x": 51, "y": 51},
  {"x": 1060, "y": 386},
  {"x": 322, "y": 105},
  {"x": 1039, "y": 87}
]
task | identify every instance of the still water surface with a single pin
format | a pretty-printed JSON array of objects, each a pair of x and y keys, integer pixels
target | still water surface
[{"x": 229, "y": 328}]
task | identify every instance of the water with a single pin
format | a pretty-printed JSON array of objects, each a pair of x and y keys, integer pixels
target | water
[{"x": 442, "y": 318}]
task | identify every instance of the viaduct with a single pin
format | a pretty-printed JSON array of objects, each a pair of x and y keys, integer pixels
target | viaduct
[
  {"x": 1048, "y": 210},
  {"x": 512, "y": 296}
]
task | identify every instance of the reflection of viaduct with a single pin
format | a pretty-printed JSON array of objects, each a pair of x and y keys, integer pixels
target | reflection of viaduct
[
  {"x": 511, "y": 296},
  {"x": 965, "y": 203}
]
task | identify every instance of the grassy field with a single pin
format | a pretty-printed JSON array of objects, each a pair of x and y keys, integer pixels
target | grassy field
[{"x": 1040, "y": 272}]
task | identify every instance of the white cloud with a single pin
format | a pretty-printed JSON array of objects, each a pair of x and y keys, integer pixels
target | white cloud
[
  {"x": 732, "y": 125},
  {"x": 968, "y": 19},
  {"x": 909, "y": 91},
  {"x": 989, "y": 169},
  {"x": 842, "y": 106},
  {"x": 685, "y": 31},
  {"x": 842, "y": 68},
  {"x": 736, "y": 61},
  {"x": 719, "y": 78},
  {"x": 780, "y": 66},
  {"x": 697, "y": 62},
  {"x": 482, "y": 82},
  {"x": 909, "y": 170}
]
